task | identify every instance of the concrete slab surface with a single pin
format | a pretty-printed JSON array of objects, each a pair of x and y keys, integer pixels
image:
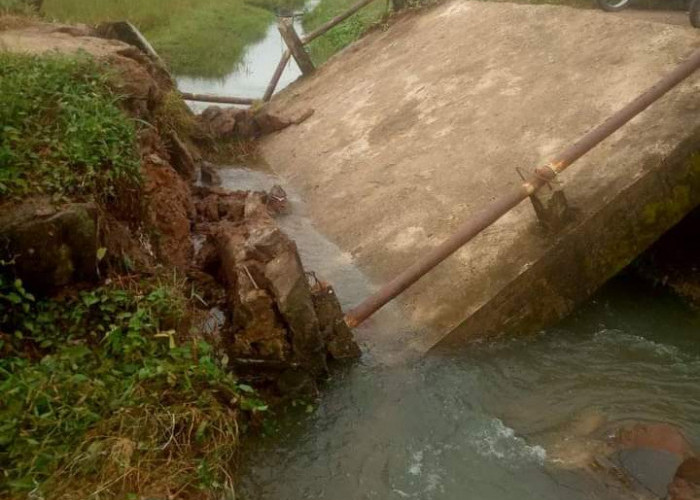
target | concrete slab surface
[{"x": 418, "y": 126}]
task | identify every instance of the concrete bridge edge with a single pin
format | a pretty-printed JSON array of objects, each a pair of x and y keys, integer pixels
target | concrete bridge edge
[{"x": 592, "y": 251}]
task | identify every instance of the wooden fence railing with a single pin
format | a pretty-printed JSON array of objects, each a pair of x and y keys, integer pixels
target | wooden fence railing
[{"x": 295, "y": 48}]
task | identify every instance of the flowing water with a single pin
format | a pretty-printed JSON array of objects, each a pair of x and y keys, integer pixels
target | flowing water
[
  {"x": 500, "y": 421},
  {"x": 517, "y": 419}
]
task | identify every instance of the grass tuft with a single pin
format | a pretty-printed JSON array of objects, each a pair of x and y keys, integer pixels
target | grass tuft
[
  {"x": 62, "y": 131},
  {"x": 172, "y": 114}
]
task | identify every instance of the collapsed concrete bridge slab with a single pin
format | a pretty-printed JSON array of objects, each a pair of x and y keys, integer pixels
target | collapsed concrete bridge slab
[{"x": 417, "y": 127}]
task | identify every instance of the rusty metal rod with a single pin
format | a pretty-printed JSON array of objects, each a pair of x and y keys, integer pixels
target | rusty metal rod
[
  {"x": 217, "y": 98},
  {"x": 276, "y": 76},
  {"x": 336, "y": 20},
  {"x": 495, "y": 210}
]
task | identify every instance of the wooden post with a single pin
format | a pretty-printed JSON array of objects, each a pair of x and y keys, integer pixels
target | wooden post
[
  {"x": 276, "y": 76},
  {"x": 217, "y": 98},
  {"x": 295, "y": 45}
]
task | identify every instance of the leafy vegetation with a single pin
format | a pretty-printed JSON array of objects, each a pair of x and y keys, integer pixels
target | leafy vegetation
[
  {"x": 62, "y": 131},
  {"x": 346, "y": 32},
  {"x": 199, "y": 38},
  {"x": 21, "y": 7},
  {"x": 104, "y": 393}
]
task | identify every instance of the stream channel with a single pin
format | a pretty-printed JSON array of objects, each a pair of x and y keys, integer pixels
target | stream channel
[{"x": 516, "y": 419}]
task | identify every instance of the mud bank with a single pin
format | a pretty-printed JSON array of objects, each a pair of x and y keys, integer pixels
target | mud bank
[
  {"x": 242, "y": 240},
  {"x": 271, "y": 322}
]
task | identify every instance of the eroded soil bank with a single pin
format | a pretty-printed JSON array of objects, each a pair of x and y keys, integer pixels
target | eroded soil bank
[{"x": 248, "y": 312}]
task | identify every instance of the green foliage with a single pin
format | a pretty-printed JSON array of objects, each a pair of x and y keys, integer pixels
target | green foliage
[
  {"x": 282, "y": 7},
  {"x": 210, "y": 40},
  {"x": 22, "y": 7},
  {"x": 346, "y": 32},
  {"x": 61, "y": 130},
  {"x": 100, "y": 386},
  {"x": 199, "y": 38}
]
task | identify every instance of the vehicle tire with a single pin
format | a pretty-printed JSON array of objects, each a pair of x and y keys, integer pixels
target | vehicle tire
[
  {"x": 613, "y": 5},
  {"x": 695, "y": 13}
]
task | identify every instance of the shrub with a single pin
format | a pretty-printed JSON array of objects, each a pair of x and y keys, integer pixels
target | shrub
[{"x": 102, "y": 394}]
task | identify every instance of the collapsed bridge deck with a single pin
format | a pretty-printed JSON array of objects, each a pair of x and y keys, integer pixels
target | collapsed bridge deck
[{"x": 418, "y": 126}]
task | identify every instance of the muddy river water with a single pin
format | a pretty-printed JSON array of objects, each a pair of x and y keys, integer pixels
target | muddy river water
[
  {"x": 493, "y": 422},
  {"x": 516, "y": 419}
]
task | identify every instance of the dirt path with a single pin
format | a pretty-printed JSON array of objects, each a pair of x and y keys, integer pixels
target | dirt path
[{"x": 418, "y": 126}]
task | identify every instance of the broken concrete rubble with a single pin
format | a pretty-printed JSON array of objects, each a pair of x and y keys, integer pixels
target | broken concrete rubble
[
  {"x": 50, "y": 246},
  {"x": 236, "y": 123},
  {"x": 274, "y": 314},
  {"x": 334, "y": 331},
  {"x": 646, "y": 460}
]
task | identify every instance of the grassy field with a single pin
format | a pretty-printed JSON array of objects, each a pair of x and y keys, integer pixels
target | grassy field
[
  {"x": 207, "y": 38},
  {"x": 200, "y": 38}
]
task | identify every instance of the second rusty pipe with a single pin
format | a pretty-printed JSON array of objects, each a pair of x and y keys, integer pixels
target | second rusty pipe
[{"x": 499, "y": 207}]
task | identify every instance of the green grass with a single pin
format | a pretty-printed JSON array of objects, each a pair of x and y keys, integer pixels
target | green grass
[
  {"x": 200, "y": 38},
  {"x": 21, "y": 7},
  {"x": 105, "y": 394},
  {"x": 346, "y": 32},
  {"x": 62, "y": 131}
]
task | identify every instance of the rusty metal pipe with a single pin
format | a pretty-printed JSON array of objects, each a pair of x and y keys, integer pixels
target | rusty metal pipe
[{"x": 496, "y": 209}]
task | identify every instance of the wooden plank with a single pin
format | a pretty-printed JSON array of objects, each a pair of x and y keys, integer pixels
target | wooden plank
[
  {"x": 336, "y": 20},
  {"x": 295, "y": 45},
  {"x": 217, "y": 98},
  {"x": 276, "y": 76}
]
